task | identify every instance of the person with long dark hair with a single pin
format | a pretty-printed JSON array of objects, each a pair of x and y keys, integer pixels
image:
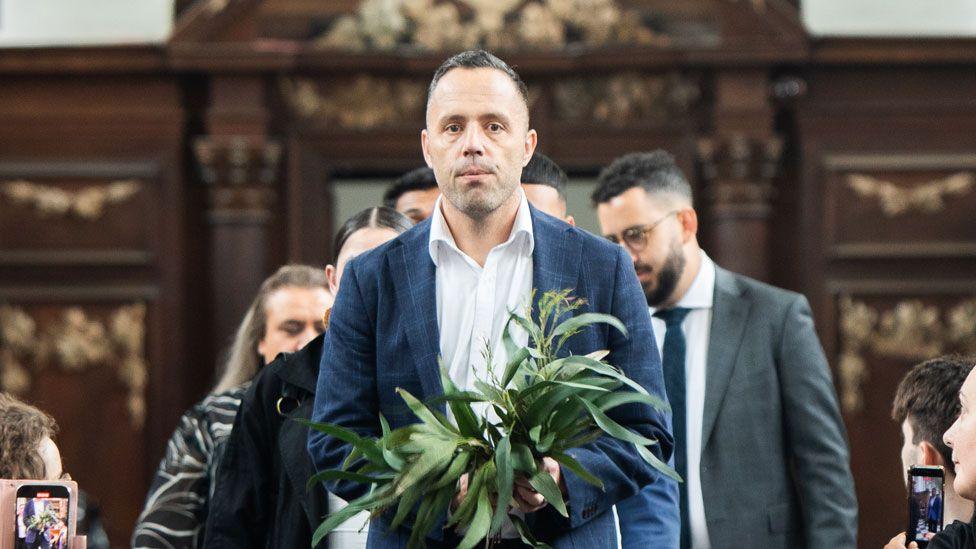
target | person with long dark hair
[
  {"x": 260, "y": 497},
  {"x": 285, "y": 315}
]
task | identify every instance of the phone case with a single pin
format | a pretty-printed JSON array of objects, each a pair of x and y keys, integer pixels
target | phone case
[{"x": 8, "y": 507}]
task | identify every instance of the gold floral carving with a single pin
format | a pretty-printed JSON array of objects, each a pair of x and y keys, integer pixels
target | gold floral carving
[
  {"x": 927, "y": 197},
  {"x": 909, "y": 331},
  {"x": 623, "y": 99},
  {"x": 74, "y": 342},
  {"x": 88, "y": 203},
  {"x": 441, "y": 25},
  {"x": 364, "y": 103}
]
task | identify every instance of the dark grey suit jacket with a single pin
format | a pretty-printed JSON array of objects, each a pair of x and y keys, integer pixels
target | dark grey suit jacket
[{"x": 775, "y": 467}]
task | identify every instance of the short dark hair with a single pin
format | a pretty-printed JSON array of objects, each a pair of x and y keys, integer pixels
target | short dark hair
[
  {"x": 655, "y": 172},
  {"x": 541, "y": 170},
  {"x": 928, "y": 397},
  {"x": 419, "y": 179},
  {"x": 477, "y": 59},
  {"x": 375, "y": 217}
]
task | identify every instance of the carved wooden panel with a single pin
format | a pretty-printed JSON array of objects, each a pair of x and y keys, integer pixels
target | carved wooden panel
[
  {"x": 82, "y": 354},
  {"x": 78, "y": 213},
  {"x": 899, "y": 205},
  {"x": 877, "y": 330}
]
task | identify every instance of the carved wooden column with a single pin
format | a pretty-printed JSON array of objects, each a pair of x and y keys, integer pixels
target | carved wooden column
[
  {"x": 240, "y": 173},
  {"x": 738, "y": 163}
]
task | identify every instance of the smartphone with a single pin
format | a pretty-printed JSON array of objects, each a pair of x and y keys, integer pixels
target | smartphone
[
  {"x": 926, "y": 490},
  {"x": 43, "y": 516}
]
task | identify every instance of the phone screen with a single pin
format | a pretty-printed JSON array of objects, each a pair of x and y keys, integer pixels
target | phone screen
[
  {"x": 925, "y": 504},
  {"x": 42, "y": 517}
]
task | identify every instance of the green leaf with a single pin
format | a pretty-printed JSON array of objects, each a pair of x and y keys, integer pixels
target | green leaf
[
  {"x": 504, "y": 480},
  {"x": 618, "y": 398},
  {"x": 526, "y": 533},
  {"x": 657, "y": 463},
  {"x": 545, "y": 444},
  {"x": 467, "y": 421},
  {"x": 334, "y": 474},
  {"x": 458, "y": 465},
  {"x": 543, "y": 483},
  {"x": 613, "y": 428},
  {"x": 478, "y": 528},
  {"x": 332, "y": 521},
  {"x": 424, "y": 414},
  {"x": 583, "y": 385},
  {"x": 568, "y": 327},
  {"x": 435, "y": 459},
  {"x": 522, "y": 459},
  {"x": 570, "y": 463},
  {"x": 607, "y": 370},
  {"x": 407, "y": 502},
  {"x": 369, "y": 448},
  {"x": 463, "y": 512},
  {"x": 513, "y": 366}
]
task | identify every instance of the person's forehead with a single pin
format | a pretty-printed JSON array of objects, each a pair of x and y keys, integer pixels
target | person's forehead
[
  {"x": 479, "y": 89},
  {"x": 635, "y": 201}
]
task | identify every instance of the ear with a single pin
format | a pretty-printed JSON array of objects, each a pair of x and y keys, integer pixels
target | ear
[
  {"x": 424, "y": 138},
  {"x": 689, "y": 224},
  {"x": 570, "y": 220},
  {"x": 929, "y": 455},
  {"x": 330, "y": 273},
  {"x": 531, "y": 140}
]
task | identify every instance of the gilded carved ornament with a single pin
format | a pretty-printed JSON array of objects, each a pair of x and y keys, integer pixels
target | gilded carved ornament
[
  {"x": 442, "y": 25},
  {"x": 88, "y": 203},
  {"x": 622, "y": 99},
  {"x": 366, "y": 102},
  {"x": 895, "y": 200},
  {"x": 74, "y": 342},
  {"x": 363, "y": 103},
  {"x": 909, "y": 331}
]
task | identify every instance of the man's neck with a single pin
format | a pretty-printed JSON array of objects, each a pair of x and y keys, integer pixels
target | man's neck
[
  {"x": 477, "y": 237},
  {"x": 956, "y": 506}
]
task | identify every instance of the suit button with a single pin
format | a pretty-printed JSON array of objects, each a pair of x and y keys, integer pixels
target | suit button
[{"x": 588, "y": 512}]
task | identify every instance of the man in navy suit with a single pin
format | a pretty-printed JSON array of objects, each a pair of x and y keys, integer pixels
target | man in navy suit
[{"x": 444, "y": 288}]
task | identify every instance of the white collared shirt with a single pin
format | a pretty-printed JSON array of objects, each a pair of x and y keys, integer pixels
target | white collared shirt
[
  {"x": 473, "y": 302},
  {"x": 696, "y": 326}
]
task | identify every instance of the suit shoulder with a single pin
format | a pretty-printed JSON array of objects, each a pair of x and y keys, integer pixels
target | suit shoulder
[
  {"x": 765, "y": 295},
  {"x": 594, "y": 245}
]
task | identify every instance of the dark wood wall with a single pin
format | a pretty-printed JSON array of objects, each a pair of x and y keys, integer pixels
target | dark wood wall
[{"x": 146, "y": 192}]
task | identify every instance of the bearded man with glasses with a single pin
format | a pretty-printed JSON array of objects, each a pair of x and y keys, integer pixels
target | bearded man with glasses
[{"x": 758, "y": 434}]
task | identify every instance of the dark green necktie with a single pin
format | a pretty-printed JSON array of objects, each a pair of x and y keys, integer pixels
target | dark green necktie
[{"x": 673, "y": 360}]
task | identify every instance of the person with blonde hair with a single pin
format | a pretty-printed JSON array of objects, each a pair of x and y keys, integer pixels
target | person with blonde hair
[{"x": 286, "y": 314}]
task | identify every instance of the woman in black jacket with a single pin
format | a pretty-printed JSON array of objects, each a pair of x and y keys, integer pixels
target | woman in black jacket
[{"x": 260, "y": 498}]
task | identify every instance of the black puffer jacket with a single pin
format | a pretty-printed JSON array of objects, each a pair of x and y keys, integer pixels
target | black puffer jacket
[{"x": 260, "y": 498}]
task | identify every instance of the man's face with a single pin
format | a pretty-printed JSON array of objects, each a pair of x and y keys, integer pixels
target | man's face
[
  {"x": 909, "y": 451},
  {"x": 961, "y": 437},
  {"x": 661, "y": 261},
  {"x": 477, "y": 139},
  {"x": 418, "y": 205},
  {"x": 545, "y": 198},
  {"x": 293, "y": 318}
]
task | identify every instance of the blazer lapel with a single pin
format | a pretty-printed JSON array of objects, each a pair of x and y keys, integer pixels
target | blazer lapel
[
  {"x": 412, "y": 271},
  {"x": 729, "y": 312},
  {"x": 556, "y": 256}
]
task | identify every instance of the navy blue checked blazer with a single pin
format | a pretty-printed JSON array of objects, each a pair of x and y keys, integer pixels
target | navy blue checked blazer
[{"x": 383, "y": 334}]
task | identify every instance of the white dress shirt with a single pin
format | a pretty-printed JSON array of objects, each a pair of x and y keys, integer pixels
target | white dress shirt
[
  {"x": 696, "y": 326},
  {"x": 473, "y": 303}
]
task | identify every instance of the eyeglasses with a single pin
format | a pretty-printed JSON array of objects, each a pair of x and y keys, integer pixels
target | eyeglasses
[{"x": 635, "y": 237}]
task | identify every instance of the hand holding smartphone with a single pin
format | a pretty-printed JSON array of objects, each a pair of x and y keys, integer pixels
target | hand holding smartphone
[
  {"x": 925, "y": 503},
  {"x": 37, "y": 514}
]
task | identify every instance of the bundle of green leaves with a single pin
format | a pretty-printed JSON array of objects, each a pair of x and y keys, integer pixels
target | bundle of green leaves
[{"x": 545, "y": 406}]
